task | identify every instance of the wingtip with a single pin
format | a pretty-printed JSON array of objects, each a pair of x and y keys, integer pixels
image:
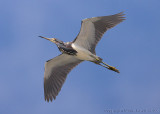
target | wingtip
[
  {"x": 122, "y": 13},
  {"x": 121, "y": 16},
  {"x": 49, "y": 99}
]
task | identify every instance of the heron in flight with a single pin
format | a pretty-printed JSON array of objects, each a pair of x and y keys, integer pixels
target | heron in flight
[{"x": 77, "y": 51}]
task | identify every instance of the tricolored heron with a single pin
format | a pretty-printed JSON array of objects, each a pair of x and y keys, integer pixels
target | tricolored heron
[{"x": 73, "y": 53}]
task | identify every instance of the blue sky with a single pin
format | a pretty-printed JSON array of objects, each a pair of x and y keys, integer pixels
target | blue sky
[{"x": 132, "y": 46}]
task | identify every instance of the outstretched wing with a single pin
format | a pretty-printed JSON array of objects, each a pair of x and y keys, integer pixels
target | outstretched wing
[
  {"x": 92, "y": 29},
  {"x": 56, "y": 71}
]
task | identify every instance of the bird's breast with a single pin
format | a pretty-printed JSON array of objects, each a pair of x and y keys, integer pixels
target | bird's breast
[
  {"x": 68, "y": 51},
  {"x": 82, "y": 53}
]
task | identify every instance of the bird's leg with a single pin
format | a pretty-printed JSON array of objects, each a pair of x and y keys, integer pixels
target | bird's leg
[
  {"x": 103, "y": 65},
  {"x": 109, "y": 67},
  {"x": 99, "y": 60}
]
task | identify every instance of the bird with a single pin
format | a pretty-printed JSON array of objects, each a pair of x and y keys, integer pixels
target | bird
[{"x": 82, "y": 48}]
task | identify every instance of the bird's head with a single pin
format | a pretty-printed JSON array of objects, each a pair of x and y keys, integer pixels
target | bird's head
[{"x": 54, "y": 40}]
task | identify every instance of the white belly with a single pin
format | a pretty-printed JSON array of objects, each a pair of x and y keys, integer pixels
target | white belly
[{"x": 83, "y": 54}]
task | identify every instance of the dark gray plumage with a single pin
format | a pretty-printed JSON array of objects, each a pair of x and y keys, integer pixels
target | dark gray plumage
[
  {"x": 95, "y": 28},
  {"x": 73, "y": 53},
  {"x": 56, "y": 71}
]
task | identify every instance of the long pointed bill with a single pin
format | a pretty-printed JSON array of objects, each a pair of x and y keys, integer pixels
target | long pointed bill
[{"x": 45, "y": 38}]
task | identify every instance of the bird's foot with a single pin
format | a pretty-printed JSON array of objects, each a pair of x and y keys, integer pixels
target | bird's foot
[{"x": 113, "y": 68}]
